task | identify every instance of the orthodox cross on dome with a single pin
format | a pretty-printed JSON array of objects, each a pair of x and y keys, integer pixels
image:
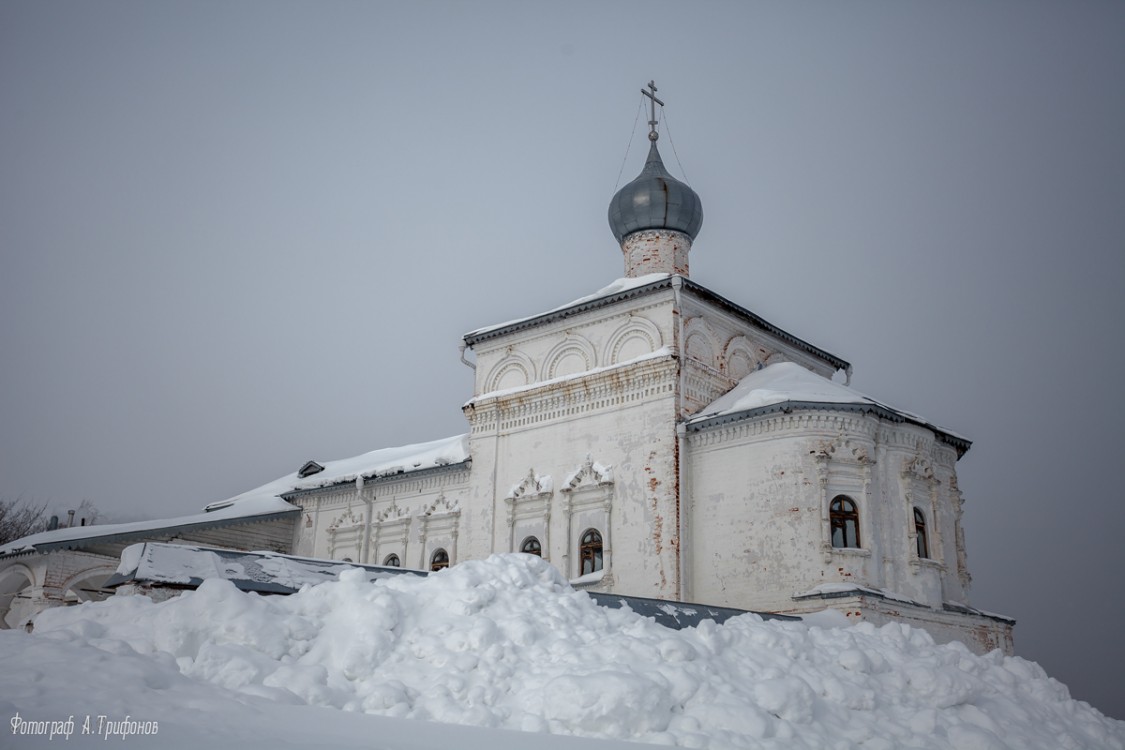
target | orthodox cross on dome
[{"x": 652, "y": 134}]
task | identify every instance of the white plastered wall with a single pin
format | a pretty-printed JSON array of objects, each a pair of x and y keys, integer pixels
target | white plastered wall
[{"x": 760, "y": 491}]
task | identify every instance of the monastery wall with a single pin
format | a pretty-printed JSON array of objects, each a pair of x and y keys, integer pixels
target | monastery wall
[{"x": 32, "y": 583}]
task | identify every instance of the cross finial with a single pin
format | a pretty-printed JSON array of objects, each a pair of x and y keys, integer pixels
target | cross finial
[{"x": 652, "y": 134}]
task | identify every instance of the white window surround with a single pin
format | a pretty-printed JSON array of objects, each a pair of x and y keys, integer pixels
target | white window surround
[{"x": 589, "y": 505}]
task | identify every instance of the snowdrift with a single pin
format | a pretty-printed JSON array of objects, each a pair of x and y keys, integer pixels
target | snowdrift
[{"x": 505, "y": 643}]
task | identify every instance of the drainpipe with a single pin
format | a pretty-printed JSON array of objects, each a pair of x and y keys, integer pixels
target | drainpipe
[
  {"x": 682, "y": 508},
  {"x": 365, "y": 548},
  {"x": 681, "y": 515},
  {"x": 464, "y": 361}
]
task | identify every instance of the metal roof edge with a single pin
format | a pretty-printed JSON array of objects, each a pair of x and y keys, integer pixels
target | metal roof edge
[
  {"x": 655, "y": 608},
  {"x": 960, "y": 444},
  {"x": 712, "y": 296},
  {"x": 788, "y": 406},
  {"x": 858, "y": 591},
  {"x": 474, "y": 337},
  {"x": 17, "y": 553},
  {"x": 967, "y": 610}
]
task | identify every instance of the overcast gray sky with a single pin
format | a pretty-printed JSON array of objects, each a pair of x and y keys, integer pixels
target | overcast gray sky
[{"x": 236, "y": 236}]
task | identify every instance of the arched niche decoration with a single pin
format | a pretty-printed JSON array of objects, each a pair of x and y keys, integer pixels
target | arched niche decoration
[
  {"x": 700, "y": 342},
  {"x": 739, "y": 359},
  {"x": 572, "y": 355},
  {"x": 635, "y": 338},
  {"x": 514, "y": 371}
]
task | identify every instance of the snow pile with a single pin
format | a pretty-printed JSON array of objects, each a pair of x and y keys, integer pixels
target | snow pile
[{"x": 506, "y": 643}]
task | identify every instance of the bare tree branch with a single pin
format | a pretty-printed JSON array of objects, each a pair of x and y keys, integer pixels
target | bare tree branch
[{"x": 19, "y": 518}]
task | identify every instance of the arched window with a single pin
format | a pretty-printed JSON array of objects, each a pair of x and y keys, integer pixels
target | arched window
[
  {"x": 590, "y": 552},
  {"x": 439, "y": 560},
  {"x": 844, "y": 518},
  {"x": 348, "y": 559},
  {"x": 392, "y": 561},
  {"x": 531, "y": 546},
  {"x": 920, "y": 533}
]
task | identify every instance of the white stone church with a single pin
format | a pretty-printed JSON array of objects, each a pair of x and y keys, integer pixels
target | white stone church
[{"x": 652, "y": 439}]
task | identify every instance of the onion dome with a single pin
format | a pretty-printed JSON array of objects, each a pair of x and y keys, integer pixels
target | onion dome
[{"x": 655, "y": 200}]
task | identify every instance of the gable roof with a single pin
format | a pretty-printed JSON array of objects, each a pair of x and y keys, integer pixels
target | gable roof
[
  {"x": 310, "y": 468},
  {"x": 631, "y": 288}
]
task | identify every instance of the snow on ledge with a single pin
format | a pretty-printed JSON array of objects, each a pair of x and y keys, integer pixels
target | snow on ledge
[
  {"x": 660, "y": 353},
  {"x": 588, "y": 579},
  {"x": 830, "y": 589},
  {"x": 834, "y": 590}
]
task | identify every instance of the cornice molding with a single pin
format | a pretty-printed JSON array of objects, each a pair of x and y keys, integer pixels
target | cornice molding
[{"x": 604, "y": 390}]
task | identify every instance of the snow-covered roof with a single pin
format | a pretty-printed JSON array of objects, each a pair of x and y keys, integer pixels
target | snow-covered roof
[
  {"x": 786, "y": 385},
  {"x": 403, "y": 459},
  {"x": 257, "y": 504},
  {"x": 266, "y": 500},
  {"x": 266, "y": 572}
]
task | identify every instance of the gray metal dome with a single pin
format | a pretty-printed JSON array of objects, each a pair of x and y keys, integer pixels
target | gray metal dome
[{"x": 655, "y": 200}]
